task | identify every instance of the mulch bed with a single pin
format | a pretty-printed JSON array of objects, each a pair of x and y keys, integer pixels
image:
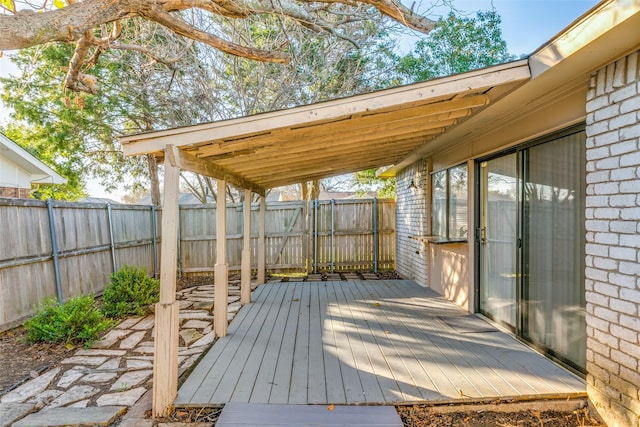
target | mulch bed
[{"x": 424, "y": 416}]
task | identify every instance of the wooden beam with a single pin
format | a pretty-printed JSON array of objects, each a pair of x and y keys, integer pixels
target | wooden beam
[
  {"x": 356, "y": 139},
  {"x": 266, "y": 168},
  {"x": 245, "y": 273},
  {"x": 165, "y": 366},
  {"x": 221, "y": 272},
  {"x": 423, "y": 115},
  {"x": 262, "y": 253},
  {"x": 322, "y": 153},
  {"x": 186, "y": 161}
]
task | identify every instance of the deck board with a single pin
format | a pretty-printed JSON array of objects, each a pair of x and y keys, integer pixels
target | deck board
[{"x": 354, "y": 342}]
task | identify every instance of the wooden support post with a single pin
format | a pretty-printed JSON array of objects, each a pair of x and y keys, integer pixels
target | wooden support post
[
  {"x": 221, "y": 288},
  {"x": 165, "y": 365},
  {"x": 245, "y": 274},
  {"x": 262, "y": 253}
]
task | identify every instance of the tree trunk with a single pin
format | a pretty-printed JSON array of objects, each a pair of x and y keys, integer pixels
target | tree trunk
[{"x": 153, "y": 177}]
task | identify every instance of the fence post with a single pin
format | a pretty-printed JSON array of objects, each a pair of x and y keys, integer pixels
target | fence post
[
  {"x": 54, "y": 250},
  {"x": 154, "y": 239},
  {"x": 111, "y": 239},
  {"x": 315, "y": 236},
  {"x": 375, "y": 234},
  {"x": 331, "y": 253}
]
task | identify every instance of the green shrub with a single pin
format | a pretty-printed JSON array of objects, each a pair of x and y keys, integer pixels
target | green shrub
[
  {"x": 130, "y": 292},
  {"x": 76, "y": 321}
]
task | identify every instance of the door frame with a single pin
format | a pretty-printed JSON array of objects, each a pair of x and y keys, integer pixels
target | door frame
[{"x": 521, "y": 152}]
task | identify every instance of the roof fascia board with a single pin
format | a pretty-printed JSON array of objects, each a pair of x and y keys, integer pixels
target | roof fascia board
[
  {"x": 42, "y": 174},
  {"x": 585, "y": 30},
  {"x": 411, "y": 94}
]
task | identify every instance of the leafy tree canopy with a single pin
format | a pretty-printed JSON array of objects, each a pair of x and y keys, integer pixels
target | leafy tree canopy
[{"x": 456, "y": 45}]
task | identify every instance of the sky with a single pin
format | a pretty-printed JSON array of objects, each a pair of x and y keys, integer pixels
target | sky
[{"x": 526, "y": 25}]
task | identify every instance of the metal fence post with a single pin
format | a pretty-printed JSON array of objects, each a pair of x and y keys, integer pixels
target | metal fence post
[
  {"x": 54, "y": 250},
  {"x": 111, "y": 239}
]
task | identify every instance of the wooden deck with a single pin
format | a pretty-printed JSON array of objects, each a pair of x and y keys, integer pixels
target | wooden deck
[{"x": 373, "y": 342}]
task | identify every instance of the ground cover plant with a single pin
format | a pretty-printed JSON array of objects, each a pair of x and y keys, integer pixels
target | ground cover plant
[
  {"x": 77, "y": 321},
  {"x": 130, "y": 292}
]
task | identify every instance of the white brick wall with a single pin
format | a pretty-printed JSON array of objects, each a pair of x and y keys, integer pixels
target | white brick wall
[
  {"x": 411, "y": 220},
  {"x": 613, "y": 241}
]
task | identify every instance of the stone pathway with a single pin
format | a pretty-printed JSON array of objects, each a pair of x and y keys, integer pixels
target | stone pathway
[{"x": 95, "y": 386}]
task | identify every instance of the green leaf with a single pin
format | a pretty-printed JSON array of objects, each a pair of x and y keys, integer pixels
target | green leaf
[{"x": 58, "y": 3}]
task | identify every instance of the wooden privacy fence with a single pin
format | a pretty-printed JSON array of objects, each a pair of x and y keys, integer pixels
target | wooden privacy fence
[{"x": 60, "y": 249}]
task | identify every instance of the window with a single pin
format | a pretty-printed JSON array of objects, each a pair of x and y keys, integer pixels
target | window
[{"x": 449, "y": 203}]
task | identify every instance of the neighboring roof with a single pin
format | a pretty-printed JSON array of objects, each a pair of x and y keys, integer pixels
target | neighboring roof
[
  {"x": 40, "y": 173},
  {"x": 401, "y": 125}
]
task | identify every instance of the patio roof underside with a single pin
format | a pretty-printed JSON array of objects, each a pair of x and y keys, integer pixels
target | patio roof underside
[{"x": 331, "y": 138}]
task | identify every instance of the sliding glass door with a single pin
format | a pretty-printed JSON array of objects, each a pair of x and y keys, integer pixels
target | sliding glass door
[
  {"x": 498, "y": 237},
  {"x": 531, "y": 244},
  {"x": 553, "y": 300}
]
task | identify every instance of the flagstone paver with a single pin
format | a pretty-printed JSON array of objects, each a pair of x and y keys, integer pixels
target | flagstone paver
[
  {"x": 129, "y": 323},
  {"x": 138, "y": 364},
  {"x": 146, "y": 323},
  {"x": 125, "y": 398},
  {"x": 85, "y": 360},
  {"x": 110, "y": 365},
  {"x": 31, "y": 388},
  {"x": 100, "y": 352},
  {"x": 132, "y": 340},
  {"x": 130, "y": 379},
  {"x": 9, "y": 412},
  {"x": 74, "y": 394},
  {"x": 95, "y": 385},
  {"x": 70, "y": 377},
  {"x": 112, "y": 337},
  {"x": 99, "y": 377},
  {"x": 72, "y": 416},
  {"x": 196, "y": 324}
]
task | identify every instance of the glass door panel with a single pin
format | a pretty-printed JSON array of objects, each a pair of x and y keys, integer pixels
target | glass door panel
[
  {"x": 553, "y": 305},
  {"x": 498, "y": 238}
]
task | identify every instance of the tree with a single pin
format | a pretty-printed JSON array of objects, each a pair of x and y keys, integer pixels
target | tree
[
  {"x": 78, "y": 132},
  {"x": 96, "y": 26},
  {"x": 456, "y": 45},
  {"x": 321, "y": 68}
]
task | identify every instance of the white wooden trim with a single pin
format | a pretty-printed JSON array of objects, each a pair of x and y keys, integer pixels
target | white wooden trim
[
  {"x": 261, "y": 240},
  {"x": 221, "y": 285},
  {"x": 165, "y": 365},
  {"x": 245, "y": 274}
]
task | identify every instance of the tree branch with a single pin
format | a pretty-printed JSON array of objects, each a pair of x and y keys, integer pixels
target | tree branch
[{"x": 184, "y": 29}]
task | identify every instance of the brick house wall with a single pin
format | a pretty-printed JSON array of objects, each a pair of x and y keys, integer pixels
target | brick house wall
[
  {"x": 613, "y": 241},
  {"x": 412, "y": 220},
  {"x": 16, "y": 193}
]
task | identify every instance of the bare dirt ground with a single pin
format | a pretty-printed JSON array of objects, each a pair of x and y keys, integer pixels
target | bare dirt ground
[{"x": 21, "y": 360}]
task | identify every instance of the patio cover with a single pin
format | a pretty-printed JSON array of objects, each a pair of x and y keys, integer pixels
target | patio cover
[{"x": 330, "y": 138}]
